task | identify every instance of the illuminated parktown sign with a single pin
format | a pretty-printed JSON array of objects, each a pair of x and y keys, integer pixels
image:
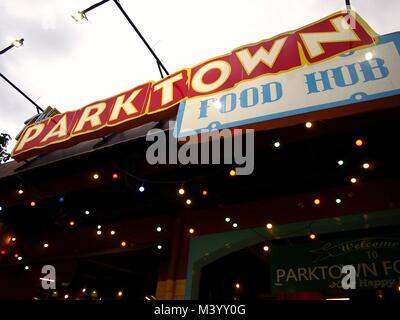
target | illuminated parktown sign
[{"x": 234, "y": 74}]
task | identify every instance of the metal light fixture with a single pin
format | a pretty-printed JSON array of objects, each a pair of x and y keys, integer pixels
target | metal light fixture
[
  {"x": 17, "y": 43},
  {"x": 78, "y": 16}
]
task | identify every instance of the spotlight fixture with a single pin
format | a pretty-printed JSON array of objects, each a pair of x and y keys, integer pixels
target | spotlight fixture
[
  {"x": 18, "y": 43},
  {"x": 78, "y": 16}
]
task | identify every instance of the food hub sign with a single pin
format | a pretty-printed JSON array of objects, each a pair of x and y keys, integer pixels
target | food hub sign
[{"x": 209, "y": 91}]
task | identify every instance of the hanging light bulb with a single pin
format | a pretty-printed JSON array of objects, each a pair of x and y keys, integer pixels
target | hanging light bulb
[
  {"x": 181, "y": 191},
  {"x": 308, "y": 125},
  {"x": 191, "y": 230},
  {"x": 188, "y": 202},
  {"x": 269, "y": 226},
  {"x": 317, "y": 202},
  {"x": 141, "y": 188}
]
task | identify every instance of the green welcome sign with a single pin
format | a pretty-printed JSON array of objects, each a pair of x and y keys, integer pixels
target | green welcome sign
[{"x": 316, "y": 266}]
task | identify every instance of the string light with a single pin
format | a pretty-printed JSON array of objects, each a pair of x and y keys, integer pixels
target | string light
[
  {"x": 33, "y": 203},
  {"x": 1, "y": 208},
  {"x": 16, "y": 255},
  {"x": 191, "y": 230},
  {"x": 72, "y": 223},
  {"x": 87, "y": 212},
  {"x": 66, "y": 296},
  {"x": 359, "y": 142},
  {"x": 84, "y": 290},
  {"x": 353, "y": 180},
  {"x": 366, "y": 165},
  {"x": 112, "y": 232},
  {"x": 20, "y": 191},
  {"x": 19, "y": 258},
  {"x": 266, "y": 248},
  {"x": 120, "y": 293},
  {"x": 338, "y": 200},
  {"x": 141, "y": 188},
  {"x": 123, "y": 244},
  {"x": 61, "y": 200},
  {"x": 115, "y": 176},
  {"x": 277, "y": 144},
  {"x": 13, "y": 239},
  {"x": 235, "y": 225},
  {"x": 205, "y": 192},
  {"x": 227, "y": 219},
  {"x": 26, "y": 267},
  {"x": 181, "y": 191},
  {"x": 46, "y": 245},
  {"x": 312, "y": 236},
  {"x": 317, "y": 202},
  {"x": 269, "y": 226},
  {"x": 188, "y": 202},
  {"x": 3, "y": 252},
  {"x": 237, "y": 285},
  {"x": 99, "y": 226},
  {"x": 340, "y": 162},
  {"x": 158, "y": 229},
  {"x": 96, "y": 176},
  {"x": 232, "y": 173},
  {"x": 159, "y": 247},
  {"x": 308, "y": 125},
  {"x": 99, "y": 232}
]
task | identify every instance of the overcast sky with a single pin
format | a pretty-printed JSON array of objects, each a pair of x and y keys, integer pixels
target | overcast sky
[{"x": 67, "y": 64}]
